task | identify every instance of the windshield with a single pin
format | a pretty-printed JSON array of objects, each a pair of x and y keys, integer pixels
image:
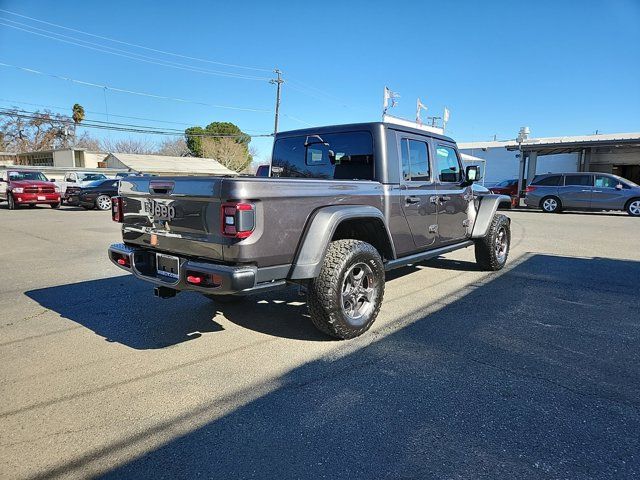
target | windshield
[
  {"x": 17, "y": 176},
  {"x": 87, "y": 177}
]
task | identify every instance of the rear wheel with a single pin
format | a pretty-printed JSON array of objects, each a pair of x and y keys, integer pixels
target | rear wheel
[
  {"x": 492, "y": 250},
  {"x": 633, "y": 208},
  {"x": 103, "y": 202},
  {"x": 550, "y": 205},
  {"x": 345, "y": 298}
]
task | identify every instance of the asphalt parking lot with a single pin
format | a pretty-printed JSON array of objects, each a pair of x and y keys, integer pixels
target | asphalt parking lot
[{"x": 533, "y": 372}]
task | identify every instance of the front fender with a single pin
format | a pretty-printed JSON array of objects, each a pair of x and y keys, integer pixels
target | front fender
[
  {"x": 320, "y": 232},
  {"x": 486, "y": 210}
]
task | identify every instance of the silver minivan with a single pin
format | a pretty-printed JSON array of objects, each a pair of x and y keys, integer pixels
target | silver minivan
[{"x": 554, "y": 192}]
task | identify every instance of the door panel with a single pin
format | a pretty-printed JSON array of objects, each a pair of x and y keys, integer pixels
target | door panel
[
  {"x": 419, "y": 191},
  {"x": 576, "y": 192},
  {"x": 605, "y": 195},
  {"x": 452, "y": 198}
]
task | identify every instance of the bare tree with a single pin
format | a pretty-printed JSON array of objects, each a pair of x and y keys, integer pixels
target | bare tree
[
  {"x": 227, "y": 152},
  {"x": 128, "y": 145},
  {"x": 86, "y": 141},
  {"x": 26, "y": 132},
  {"x": 175, "y": 147}
]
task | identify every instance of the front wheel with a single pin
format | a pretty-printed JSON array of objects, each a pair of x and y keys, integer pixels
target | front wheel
[
  {"x": 103, "y": 202},
  {"x": 633, "y": 208},
  {"x": 345, "y": 298},
  {"x": 11, "y": 202},
  {"x": 492, "y": 250}
]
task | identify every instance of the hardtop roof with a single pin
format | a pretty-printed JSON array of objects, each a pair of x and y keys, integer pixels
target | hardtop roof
[{"x": 369, "y": 126}]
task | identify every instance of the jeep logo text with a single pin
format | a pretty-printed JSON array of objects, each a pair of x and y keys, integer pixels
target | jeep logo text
[{"x": 159, "y": 211}]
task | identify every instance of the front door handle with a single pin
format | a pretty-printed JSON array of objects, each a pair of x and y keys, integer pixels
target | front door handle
[
  {"x": 444, "y": 198},
  {"x": 585, "y": 190},
  {"x": 596, "y": 191},
  {"x": 411, "y": 200}
]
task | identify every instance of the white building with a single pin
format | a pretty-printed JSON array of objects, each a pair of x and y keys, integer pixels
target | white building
[
  {"x": 617, "y": 153},
  {"x": 61, "y": 158},
  {"x": 165, "y": 165}
]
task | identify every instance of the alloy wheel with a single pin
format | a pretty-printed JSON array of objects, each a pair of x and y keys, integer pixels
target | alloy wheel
[
  {"x": 103, "y": 202},
  {"x": 550, "y": 205},
  {"x": 634, "y": 208},
  {"x": 502, "y": 245},
  {"x": 358, "y": 293}
]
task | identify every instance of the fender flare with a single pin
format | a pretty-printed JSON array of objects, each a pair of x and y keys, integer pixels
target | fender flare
[
  {"x": 486, "y": 210},
  {"x": 320, "y": 232}
]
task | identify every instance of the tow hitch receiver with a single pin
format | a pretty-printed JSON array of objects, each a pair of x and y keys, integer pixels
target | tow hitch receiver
[{"x": 164, "y": 292}]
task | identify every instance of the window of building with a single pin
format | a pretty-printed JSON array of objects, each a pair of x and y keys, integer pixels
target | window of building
[
  {"x": 78, "y": 158},
  {"x": 339, "y": 156},
  {"x": 447, "y": 164},
  {"x": 578, "y": 180},
  {"x": 415, "y": 160}
]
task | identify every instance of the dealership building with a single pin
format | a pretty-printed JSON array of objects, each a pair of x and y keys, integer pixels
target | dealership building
[{"x": 617, "y": 153}]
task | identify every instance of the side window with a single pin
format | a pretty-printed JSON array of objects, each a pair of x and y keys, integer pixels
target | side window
[
  {"x": 577, "y": 180},
  {"x": 415, "y": 160},
  {"x": 447, "y": 164},
  {"x": 606, "y": 182},
  {"x": 552, "y": 181}
]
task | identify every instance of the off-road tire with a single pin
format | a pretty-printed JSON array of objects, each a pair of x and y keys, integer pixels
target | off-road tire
[
  {"x": 324, "y": 294},
  {"x": 632, "y": 207},
  {"x": 487, "y": 256},
  {"x": 11, "y": 202},
  {"x": 557, "y": 201},
  {"x": 224, "y": 298}
]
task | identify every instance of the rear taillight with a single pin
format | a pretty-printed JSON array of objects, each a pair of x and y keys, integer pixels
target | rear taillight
[
  {"x": 238, "y": 220},
  {"x": 117, "y": 215},
  {"x": 530, "y": 188}
]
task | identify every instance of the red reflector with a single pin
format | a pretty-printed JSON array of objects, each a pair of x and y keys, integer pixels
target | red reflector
[
  {"x": 122, "y": 261},
  {"x": 196, "y": 280}
]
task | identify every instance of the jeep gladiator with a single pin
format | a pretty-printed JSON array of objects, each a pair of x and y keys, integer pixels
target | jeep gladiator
[{"x": 341, "y": 205}]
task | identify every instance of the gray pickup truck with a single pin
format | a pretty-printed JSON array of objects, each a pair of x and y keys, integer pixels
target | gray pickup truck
[{"x": 341, "y": 205}]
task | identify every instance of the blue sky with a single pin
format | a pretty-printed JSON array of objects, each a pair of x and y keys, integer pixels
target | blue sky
[{"x": 560, "y": 67}]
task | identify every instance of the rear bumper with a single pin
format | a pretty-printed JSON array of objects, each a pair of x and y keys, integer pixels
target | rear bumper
[{"x": 225, "y": 280}]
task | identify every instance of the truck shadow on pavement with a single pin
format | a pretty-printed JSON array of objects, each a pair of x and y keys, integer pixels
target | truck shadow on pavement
[
  {"x": 532, "y": 373},
  {"x": 124, "y": 310}
]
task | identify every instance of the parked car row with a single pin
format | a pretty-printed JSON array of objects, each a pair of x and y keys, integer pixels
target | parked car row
[{"x": 86, "y": 189}]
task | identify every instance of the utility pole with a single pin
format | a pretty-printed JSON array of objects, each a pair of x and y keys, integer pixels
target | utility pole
[{"x": 278, "y": 83}]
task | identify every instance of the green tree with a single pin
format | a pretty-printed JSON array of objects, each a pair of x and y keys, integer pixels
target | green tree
[{"x": 215, "y": 131}]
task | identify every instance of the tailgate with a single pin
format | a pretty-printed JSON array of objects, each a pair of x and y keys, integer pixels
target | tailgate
[{"x": 179, "y": 215}]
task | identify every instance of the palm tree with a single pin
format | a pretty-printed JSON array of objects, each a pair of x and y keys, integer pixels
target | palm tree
[{"x": 78, "y": 113}]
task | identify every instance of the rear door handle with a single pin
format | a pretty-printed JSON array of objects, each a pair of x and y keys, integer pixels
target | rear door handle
[
  {"x": 585, "y": 190},
  {"x": 596, "y": 191},
  {"x": 411, "y": 199},
  {"x": 444, "y": 198}
]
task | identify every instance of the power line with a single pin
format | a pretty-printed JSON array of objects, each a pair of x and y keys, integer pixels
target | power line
[
  {"x": 64, "y": 109},
  {"x": 132, "y": 92},
  {"x": 137, "y": 45},
  {"x": 126, "y": 54},
  {"x": 121, "y": 127}
]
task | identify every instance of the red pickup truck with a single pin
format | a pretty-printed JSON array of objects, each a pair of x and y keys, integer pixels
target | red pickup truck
[{"x": 19, "y": 187}]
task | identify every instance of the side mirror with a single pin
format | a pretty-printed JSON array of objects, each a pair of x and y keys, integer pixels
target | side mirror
[
  {"x": 472, "y": 174},
  {"x": 52, "y": 179},
  {"x": 619, "y": 186}
]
